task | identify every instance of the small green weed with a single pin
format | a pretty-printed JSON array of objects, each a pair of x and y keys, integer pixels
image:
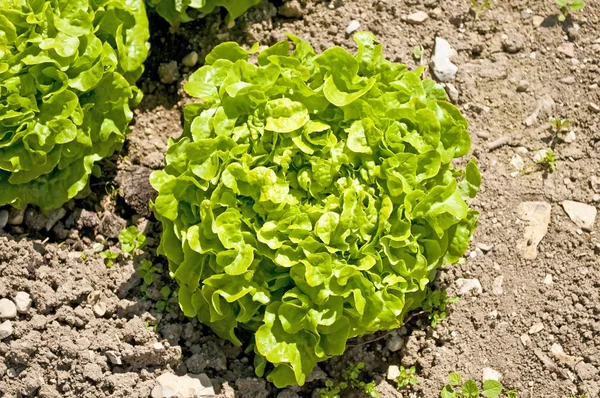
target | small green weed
[
  {"x": 567, "y": 7},
  {"x": 436, "y": 304},
  {"x": 407, "y": 377},
  {"x": 469, "y": 389},
  {"x": 350, "y": 380},
  {"x": 547, "y": 161},
  {"x": 418, "y": 52},
  {"x": 131, "y": 239},
  {"x": 149, "y": 273},
  {"x": 109, "y": 257},
  {"x": 478, "y": 7},
  {"x": 559, "y": 126}
]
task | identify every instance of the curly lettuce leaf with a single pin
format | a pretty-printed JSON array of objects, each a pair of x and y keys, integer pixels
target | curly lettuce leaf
[
  {"x": 177, "y": 11},
  {"x": 311, "y": 198},
  {"x": 67, "y": 70}
]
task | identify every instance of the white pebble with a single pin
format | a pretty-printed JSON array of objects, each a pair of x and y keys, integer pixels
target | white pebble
[{"x": 353, "y": 26}]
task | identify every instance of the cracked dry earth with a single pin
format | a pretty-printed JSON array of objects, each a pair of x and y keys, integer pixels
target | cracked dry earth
[{"x": 530, "y": 285}]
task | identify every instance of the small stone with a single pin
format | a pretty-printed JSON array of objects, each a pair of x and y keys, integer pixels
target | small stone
[
  {"x": 99, "y": 309},
  {"x": 491, "y": 374},
  {"x": 497, "y": 286},
  {"x": 523, "y": 86},
  {"x": 6, "y": 329},
  {"x": 568, "y": 49},
  {"x": 467, "y": 285},
  {"x": 158, "y": 346},
  {"x": 493, "y": 314},
  {"x": 596, "y": 197},
  {"x": 537, "y": 214},
  {"x": 23, "y": 302},
  {"x": 569, "y": 80},
  {"x": 548, "y": 280},
  {"x": 3, "y": 218},
  {"x": 517, "y": 162},
  {"x": 536, "y": 328},
  {"x": 291, "y": 9},
  {"x": 453, "y": 93},
  {"x": 441, "y": 62},
  {"x": 570, "y": 137},
  {"x": 113, "y": 357},
  {"x": 168, "y": 73},
  {"x": 393, "y": 372},
  {"x": 558, "y": 353},
  {"x": 53, "y": 217},
  {"x": 521, "y": 150},
  {"x": 352, "y": 27},
  {"x": 169, "y": 385},
  {"x": 8, "y": 309},
  {"x": 594, "y": 107},
  {"x": 190, "y": 60},
  {"x": 395, "y": 343},
  {"x": 417, "y": 18},
  {"x": 93, "y": 372},
  {"x": 510, "y": 46},
  {"x": 583, "y": 215},
  {"x": 16, "y": 216},
  {"x": 525, "y": 339},
  {"x": 537, "y": 20},
  {"x": 484, "y": 247}
]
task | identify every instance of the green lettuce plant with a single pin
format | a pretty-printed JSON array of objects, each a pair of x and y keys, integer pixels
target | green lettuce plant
[
  {"x": 311, "y": 198},
  {"x": 177, "y": 11},
  {"x": 67, "y": 74}
]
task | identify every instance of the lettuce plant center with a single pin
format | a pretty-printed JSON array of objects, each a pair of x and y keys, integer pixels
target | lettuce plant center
[{"x": 311, "y": 198}]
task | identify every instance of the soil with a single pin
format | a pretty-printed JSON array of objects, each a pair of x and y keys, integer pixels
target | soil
[{"x": 91, "y": 332}]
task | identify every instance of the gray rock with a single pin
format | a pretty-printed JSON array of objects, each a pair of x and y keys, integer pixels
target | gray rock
[
  {"x": 168, "y": 73},
  {"x": 567, "y": 49},
  {"x": 393, "y": 372},
  {"x": 594, "y": 108},
  {"x": 465, "y": 286},
  {"x": 53, "y": 217},
  {"x": 23, "y": 302},
  {"x": 562, "y": 357},
  {"x": 595, "y": 183},
  {"x": 169, "y": 385},
  {"x": 316, "y": 374},
  {"x": 35, "y": 220},
  {"x": 569, "y": 80},
  {"x": 352, "y": 27},
  {"x": 441, "y": 64},
  {"x": 3, "y": 218},
  {"x": 395, "y": 343},
  {"x": 417, "y": 18},
  {"x": 113, "y": 357},
  {"x": 16, "y": 216},
  {"x": 6, "y": 329},
  {"x": 135, "y": 188},
  {"x": 8, "y": 309},
  {"x": 523, "y": 86},
  {"x": 583, "y": 215}
]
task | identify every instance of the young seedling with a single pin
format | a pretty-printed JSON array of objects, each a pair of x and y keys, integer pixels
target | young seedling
[
  {"x": 418, "y": 52},
  {"x": 407, "y": 377},
  {"x": 350, "y": 379},
  {"x": 109, "y": 257},
  {"x": 436, "y": 304},
  {"x": 547, "y": 161},
  {"x": 131, "y": 240},
  {"x": 567, "y": 7},
  {"x": 149, "y": 273},
  {"x": 165, "y": 293},
  {"x": 469, "y": 389},
  {"x": 478, "y": 7},
  {"x": 559, "y": 126}
]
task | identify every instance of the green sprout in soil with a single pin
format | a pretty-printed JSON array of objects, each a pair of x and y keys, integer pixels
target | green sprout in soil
[
  {"x": 436, "y": 304},
  {"x": 559, "y": 126},
  {"x": 149, "y": 273},
  {"x": 478, "y": 7},
  {"x": 548, "y": 161},
  {"x": 131, "y": 240},
  {"x": 109, "y": 257},
  {"x": 567, "y": 7},
  {"x": 350, "y": 380},
  {"x": 469, "y": 389},
  {"x": 407, "y": 377},
  {"x": 418, "y": 52}
]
